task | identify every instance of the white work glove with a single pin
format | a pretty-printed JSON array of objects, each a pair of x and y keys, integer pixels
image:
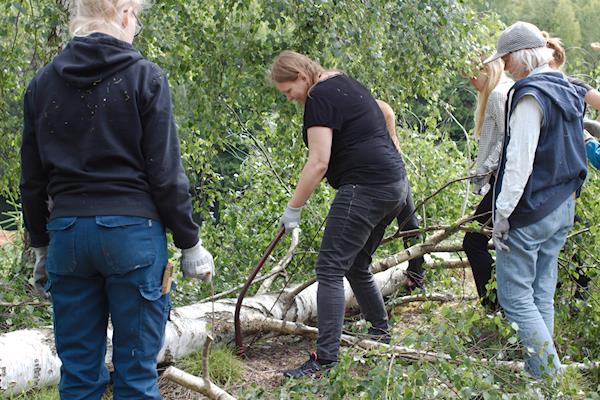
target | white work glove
[
  {"x": 500, "y": 233},
  {"x": 290, "y": 218},
  {"x": 197, "y": 262},
  {"x": 40, "y": 275},
  {"x": 482, "y": 191}
]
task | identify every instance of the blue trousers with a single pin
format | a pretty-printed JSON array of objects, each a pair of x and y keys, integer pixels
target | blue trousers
[
  {"x": 101, "y": 266},
  {"x": 526, "y": 280}
]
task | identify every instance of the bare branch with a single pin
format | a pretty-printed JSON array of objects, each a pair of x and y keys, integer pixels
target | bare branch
[
  {"x": 406, "y": 353},
  {"x": 205, "y": 354},
  {"x": 425, "y": 200},
  {"x": 437, "y": 297},
  {"x": 24, "y": 303},
  {"x": 196, "y": 384},
  {"x": 270, "y": 274}
]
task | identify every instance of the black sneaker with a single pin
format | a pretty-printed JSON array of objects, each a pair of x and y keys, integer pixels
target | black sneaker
[
  {"x": 309, "y": 368},
  {"x": 379, "y": 335}
]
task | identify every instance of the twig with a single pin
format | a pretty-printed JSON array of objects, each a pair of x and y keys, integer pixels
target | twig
[
  {"x": 14, "y": 41},
  {"x": 205, "y": 353},
  {"x": 414, "y": 232},
  {"x": 406, "y": 353},
  {"x": 262, "y": 278},
  {"x": 437, "y": 297},
  {"x": 425, "y": 200},
  {"x": 421, "y": 248},
  {"x": 468, "y": 158},
  {"x": 260, "y": 147},
  {"x": 579, "y": 232},
  {"x": 24, "y": 303},
  {"x": 281, "y": 265}
]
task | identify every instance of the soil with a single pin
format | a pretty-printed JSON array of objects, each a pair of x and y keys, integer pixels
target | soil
[
  {"x": 265, "y": 362},
  {"x": 268, "y": 357}
]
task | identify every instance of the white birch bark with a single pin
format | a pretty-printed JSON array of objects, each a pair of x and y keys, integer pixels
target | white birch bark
[{"x": 28, "y": 358}]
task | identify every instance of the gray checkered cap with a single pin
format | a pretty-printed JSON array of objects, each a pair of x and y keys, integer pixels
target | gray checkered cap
[{"x": 520, "y": 35}]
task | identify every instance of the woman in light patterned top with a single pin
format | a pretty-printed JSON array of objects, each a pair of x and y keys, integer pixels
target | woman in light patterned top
[{"x": 492, "y": 86}]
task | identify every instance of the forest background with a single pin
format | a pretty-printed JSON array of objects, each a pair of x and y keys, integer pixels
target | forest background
[{"x": 242, "y": 149}]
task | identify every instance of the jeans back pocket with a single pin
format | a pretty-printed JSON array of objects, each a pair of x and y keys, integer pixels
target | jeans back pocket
[
  {"x": 126, "y": 242},
  {"x": 61, "y": 250}
]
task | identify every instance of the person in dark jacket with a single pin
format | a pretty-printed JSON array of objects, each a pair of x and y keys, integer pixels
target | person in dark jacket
[
  {"x": 101, "y": 179},
  {"x": 407, "y": 219},
  {"x": 349, "y": 144},
  {"x": 541, "y": 171}
]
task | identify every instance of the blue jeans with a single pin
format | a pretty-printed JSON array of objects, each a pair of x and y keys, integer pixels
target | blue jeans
[
  {"x": 526, "y": 280},
  {"x": 101, "y": 266}
]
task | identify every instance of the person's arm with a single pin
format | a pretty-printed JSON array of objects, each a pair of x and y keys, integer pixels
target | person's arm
[
  {"x": 592, "y": 98},
  {"x": 169, "y": 185},
  {"x": 390, "y": 121},
  {"x": 497, "y": 103},
  {"x": 34, "y": 180},
  {"x": 525, "y": 124},
  {"x": 592, "y": 148},
  {"x": 319, "y": 152}
]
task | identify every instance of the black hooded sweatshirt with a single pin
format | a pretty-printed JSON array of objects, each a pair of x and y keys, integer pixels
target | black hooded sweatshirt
[{"x": 99, "y": 138}]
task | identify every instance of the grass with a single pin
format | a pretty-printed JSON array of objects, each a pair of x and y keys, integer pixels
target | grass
[{"x": 225, "y": 367}]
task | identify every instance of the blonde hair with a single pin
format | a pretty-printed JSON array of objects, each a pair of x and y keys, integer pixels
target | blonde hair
[
  {"x": 494, "y": 71},
  {"x": 92, "y": 15},
  {"x": 554, "y": 43},
  {"x": 288, "y": 64}
]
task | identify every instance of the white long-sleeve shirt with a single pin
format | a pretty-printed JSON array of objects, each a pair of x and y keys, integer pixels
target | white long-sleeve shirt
[{"x": 524, "y": 134}]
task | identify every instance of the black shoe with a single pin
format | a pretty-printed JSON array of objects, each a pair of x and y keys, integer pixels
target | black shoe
[
  {"x": 309, "y": 368},
  {"x": 379, "y": 335}
]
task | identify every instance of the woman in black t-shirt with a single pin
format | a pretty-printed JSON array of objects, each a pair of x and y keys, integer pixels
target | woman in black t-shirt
[{"x": 348, "y": 143}]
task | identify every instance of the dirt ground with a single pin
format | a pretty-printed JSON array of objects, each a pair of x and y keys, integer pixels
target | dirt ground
[
  {"x": 263, "y": 367},
  {"x": 268, "y": 357}
]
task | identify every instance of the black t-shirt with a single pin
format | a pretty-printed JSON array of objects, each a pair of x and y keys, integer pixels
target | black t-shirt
[{"x": 362, "y": 151}]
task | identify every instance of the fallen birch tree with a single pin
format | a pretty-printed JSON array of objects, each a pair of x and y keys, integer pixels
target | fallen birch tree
[{"x": 28, "y": 357}]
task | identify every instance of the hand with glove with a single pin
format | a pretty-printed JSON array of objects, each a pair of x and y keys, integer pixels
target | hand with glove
[
  {"x": 197, "y": 262},
  {"x": 290, "y": 218},
  {"x": 40, "y": 276},
  {"x": 500, "y": 232}
]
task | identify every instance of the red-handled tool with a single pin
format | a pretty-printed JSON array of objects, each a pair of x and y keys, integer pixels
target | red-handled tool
[{"x": 239, "y": 340}]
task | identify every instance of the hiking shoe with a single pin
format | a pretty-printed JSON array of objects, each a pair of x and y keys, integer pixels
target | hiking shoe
[
  {"x": 379, "y": 335},
  {"x": 309, "y": 368}
]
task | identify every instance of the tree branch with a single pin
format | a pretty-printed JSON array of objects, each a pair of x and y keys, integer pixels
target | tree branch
[
  {"x": 200, "y": 385},
  {"x": 425, "y": 200}
]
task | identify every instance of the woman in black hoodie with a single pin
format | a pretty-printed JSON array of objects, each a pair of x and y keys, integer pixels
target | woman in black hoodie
[{"x": 101, "y": 180}]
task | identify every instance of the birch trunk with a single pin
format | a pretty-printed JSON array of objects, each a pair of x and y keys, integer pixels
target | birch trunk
[{"x": 28, "y": 358}]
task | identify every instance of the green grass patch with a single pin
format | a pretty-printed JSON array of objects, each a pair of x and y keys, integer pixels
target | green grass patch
[{"x": 224, "y": 367}]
